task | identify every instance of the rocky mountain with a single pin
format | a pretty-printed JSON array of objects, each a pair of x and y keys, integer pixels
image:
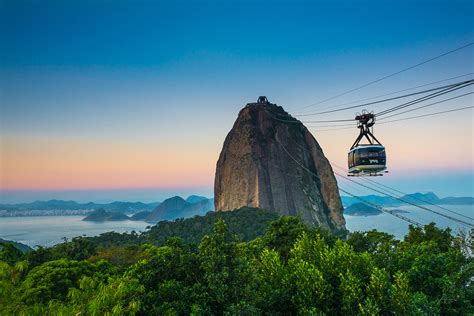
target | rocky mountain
[
  {"x": 101, "y": 215},
  {"x": 177, "y": 207},
  {"x": 271, "y": 161}
]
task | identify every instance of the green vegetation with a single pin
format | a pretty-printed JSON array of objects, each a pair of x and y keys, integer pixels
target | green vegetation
[
  {"x": 248, "y": 262},
  {"x": 17, "y": 245},
  {"x": 248, "y": 223}
]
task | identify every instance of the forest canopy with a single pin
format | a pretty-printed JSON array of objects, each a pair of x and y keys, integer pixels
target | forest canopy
[{"x": 250, "y": 262}]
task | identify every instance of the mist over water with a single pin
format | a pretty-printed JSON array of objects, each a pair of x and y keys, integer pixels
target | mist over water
[{"x": 50, "y": 230}]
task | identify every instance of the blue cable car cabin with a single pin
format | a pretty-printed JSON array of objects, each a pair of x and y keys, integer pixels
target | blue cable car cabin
[{"x": 367, "y": 159}]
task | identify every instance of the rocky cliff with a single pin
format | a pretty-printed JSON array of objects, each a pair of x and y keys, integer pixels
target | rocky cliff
[{"x": 270, "y": 160}]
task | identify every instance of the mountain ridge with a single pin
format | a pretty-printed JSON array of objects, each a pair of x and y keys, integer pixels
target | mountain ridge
[
  {"x": 177, "y": 207},
  {"x": 417, "y": 198}
]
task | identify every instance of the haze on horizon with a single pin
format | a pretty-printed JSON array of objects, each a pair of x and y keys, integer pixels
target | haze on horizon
[{"x": 126, "y": 100}]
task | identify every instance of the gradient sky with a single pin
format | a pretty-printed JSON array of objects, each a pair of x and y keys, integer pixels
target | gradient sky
[{"x": 132, "y": 100}]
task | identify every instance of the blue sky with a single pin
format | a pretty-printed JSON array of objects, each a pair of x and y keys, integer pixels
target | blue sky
[{"x": 150, "y": 81}]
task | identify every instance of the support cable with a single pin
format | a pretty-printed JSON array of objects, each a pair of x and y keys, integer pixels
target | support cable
[
  {"x": 385, "y": 100},
  {"x": 378, "y": 207},
  {"x": 380, "y": 185},
  {"x": 390, "y": 75},
  {"x": 427, "y": 97},
  {"x": 459, "y": 221},
  {"x": 425, "y": 106},
  {"x": 395, "y": 92}
]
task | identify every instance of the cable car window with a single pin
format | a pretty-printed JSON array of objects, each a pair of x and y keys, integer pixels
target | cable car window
[
  {"x": 373, "y": 154},
  {"x": 363, "y": 153}
]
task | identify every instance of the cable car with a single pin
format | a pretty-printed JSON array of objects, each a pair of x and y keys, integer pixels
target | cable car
[{"x": 366, "y": 159}]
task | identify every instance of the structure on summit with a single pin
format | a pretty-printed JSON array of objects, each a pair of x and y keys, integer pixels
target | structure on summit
[{"x": 270, "y": 160}]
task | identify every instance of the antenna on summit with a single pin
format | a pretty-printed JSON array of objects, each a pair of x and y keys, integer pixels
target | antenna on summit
[{"x": 262, "y": 100}]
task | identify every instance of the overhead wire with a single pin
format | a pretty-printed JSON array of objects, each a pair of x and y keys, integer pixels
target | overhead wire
[
  {"x": 380, "y": 185},
  {"x": 429, "y": 114},
  {"x": 385, "y": 193},
  {"x": 296, "y": 121},
  {"x": 427, "y": 97},
  {"x": 439, "y": 92},
  {"x": 427, "y": 105},
  {"x": 444, "y": 90},
  {"x": 456, "y": 220},
  {"x": 459, "y": 221},
  {"x": 379, "y": 207},
  {"x": 384, "y": 100},
  {"x": 390, "y": 75},
  {"x": 397, "y": 120},
  {"x": 398, "y": 192},
  {"x": 394, "y": 92}
]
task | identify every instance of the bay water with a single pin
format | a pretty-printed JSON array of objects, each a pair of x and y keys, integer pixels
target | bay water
[{"x": 50, "y": 230}]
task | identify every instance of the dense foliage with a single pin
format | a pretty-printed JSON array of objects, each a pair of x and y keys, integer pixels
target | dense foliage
[
  {"x": 247, "y": 223},
  {"x": 291, "y": 269}
]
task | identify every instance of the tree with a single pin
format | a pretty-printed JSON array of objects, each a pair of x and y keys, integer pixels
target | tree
[
  {"x": 9, "y": 253},
  {"x": 225, "y": 273},
  {"x": 282, "y": 234},
  {"x": 53, "y": 279}
]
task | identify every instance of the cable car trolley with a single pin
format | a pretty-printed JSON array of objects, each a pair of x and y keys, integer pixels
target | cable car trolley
[{"x": 366, "y": 159}]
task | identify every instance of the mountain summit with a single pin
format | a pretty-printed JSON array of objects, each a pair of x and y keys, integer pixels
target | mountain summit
[{"x": 270, "y": 160}]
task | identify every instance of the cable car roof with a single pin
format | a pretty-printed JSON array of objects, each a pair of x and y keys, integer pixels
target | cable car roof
[{"x": 367, "y": 146}]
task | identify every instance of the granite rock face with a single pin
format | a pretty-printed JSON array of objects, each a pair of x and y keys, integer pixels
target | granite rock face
[{"x": 270, "y": 160}]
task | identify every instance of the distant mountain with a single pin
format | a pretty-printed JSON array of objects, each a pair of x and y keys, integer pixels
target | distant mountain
[
  {"x": 199, "y": 208},
  {"x": 141, "y": 216},
  {"x": 457, "y": 201},
  {"x": 417, "y": 198},
  {"x": 177, "y": 207},
  {"x": 168, "y": 209},
  {"x": 376, "y": 199},
  {"x": 101, "y": 215},
  {"x": 195, "y": 198},
  {"x": 58, "y": 207},
  {"x": 361, "y": 209}
]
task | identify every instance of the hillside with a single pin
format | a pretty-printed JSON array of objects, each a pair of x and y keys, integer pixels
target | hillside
[
  {"x": 102, "y": 215},
  {"x": 141, "y": 216},
  {"x": 177, "y": 207},
  {"x": 247, "y": 223},
  {"x": 17, "y": 245}
]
